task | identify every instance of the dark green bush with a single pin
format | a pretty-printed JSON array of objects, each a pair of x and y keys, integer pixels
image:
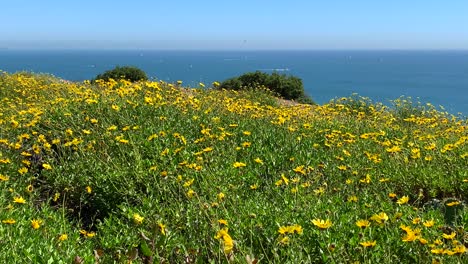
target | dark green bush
[
  {"x": 287, "y": 86},
  {"x": 129, "y": 73}
]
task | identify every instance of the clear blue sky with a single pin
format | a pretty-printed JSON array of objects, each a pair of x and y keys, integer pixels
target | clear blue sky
[{"x": 236, "y": 24}]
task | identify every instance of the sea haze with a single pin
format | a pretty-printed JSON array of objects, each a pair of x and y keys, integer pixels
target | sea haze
[{"x": 438, "y": 77}]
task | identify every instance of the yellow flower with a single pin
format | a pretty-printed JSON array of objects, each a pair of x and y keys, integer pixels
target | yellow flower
[
  {"x": 367, "y": 179},
  {"x": 221, "y": 196},
  {"x": 223, "y": 222},
  {"x": 88, "y": 189},
  {"x": 437, "y": 251},
  {"x": 46, "y": 166},
  {"x": 322, "y": 224},
  {"x": 19, "y": 200},
  {"x": 285, "y": 180},
  {"x": 403, "y": 200},
  {"x": 300, "y": 169},
  {"x": 352, "y": 198},
  {"x": 23, "y": 170},
  {"x": 190, "y": 193},
  {"x": 29, "y": 188},
  {"x": 368, "y": 243},
  {"x": 380, "y": 218},
  {"x": 362, "y": 223},
  {"x": 4, "y": 177},
  {"x": 56, "y": 197},
  {"x": 138, "y": 219},
  {"x": 393, "y": 149},
  {"x": 449, "y": 237},
  {"x": 342, "y": 167},
  {"x": 227, "y": 240},
  {"x": 428, "y": 223},
  {"x": 239, "y": 164},
  {"x": 9, "y": 221},
  {"x": 188, "y": 183},
  {"x": 87, "y": 234},
  {"x": 162, "y": 228},
  {"x": 460, "y": 249},
  {"x": 284, "y": 240},
  {"x": 63, "y": 237},
  {"x": 392, "y": 195},
  {"x": 259, "y": 161},
  {"x": 254, "y": 186},
  {"x": 36, "y": 223},
  {"x": 453, "y": 203}
]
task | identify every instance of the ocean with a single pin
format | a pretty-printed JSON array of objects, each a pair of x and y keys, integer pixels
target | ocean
[{"x": 436, "y": 77}]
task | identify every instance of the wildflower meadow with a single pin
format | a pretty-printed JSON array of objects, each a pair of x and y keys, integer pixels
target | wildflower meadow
[{"x": 155, "y": 172}]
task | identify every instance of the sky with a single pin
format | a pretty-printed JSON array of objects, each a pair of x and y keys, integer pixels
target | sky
[{"x": 239, "y": 24}]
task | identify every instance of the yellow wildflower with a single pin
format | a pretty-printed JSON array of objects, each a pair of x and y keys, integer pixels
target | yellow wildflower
[
  {"x": 162, "y": 228},
  {"x": 300, "y": 169},
  {"x": 87, "y": 234},
  {"x": 9, "y": 221},
  {"x": 4, "y": 177},
  {"x": 428, "y": 223},
  {"x": 259, "y": 161},
  {"x": 221, "y": 196},
  {"x": 63, "y": 237},
  {"x": 449, "y": 237},
  {"x": 368, "y": 243},
  {"x": 380, "y": 218},
  {"x": 322, "y": 224},
  {"x": 453, "y": 203},
  {"x": 190, "y": 193},
  {"x": 239, "y": 164},
  {"x": 227, "y": 240},
  {"x": 138, "y": 219},
  {"x": 362, "y": 223},
  {"x": 23, "y": 170},
  {"x": 19, "y": 200},
  {"x": 403, "y": 200},
  {"x": 285, "y": 180},
  {"x": 46, "y": 166},
  {"x": 284, "y": 240},
  {"x": 36, "y": 223}
]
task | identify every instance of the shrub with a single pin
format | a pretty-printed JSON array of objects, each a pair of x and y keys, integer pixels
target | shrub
[
  {"x": 129, "y": 73},
  {"x": 287, "y": 86}
]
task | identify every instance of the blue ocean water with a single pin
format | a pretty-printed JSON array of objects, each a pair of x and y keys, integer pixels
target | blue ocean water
[{"x": 438, "y": 77}]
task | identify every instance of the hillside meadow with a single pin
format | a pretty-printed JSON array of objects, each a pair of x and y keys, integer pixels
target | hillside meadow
[{"x": 153, "y": 172}]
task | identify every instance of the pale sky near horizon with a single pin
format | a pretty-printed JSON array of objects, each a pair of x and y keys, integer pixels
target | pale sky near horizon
[{"x": 241, "y": 24}]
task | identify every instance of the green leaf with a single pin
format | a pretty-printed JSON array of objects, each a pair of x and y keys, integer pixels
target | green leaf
[{"x": 145, "y": 249}]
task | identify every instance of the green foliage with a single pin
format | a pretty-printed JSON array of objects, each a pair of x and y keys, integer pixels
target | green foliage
[
  {"x": 152, "y": 173},
  {"x": 129, "y": 73},
  {"x": 287, "y": 86}
]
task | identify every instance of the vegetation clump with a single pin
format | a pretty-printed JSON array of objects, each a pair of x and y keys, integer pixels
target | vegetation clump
[
  {"x": 287, "y": 86},
  {"x": 120, "y": 172},
  {"x": 129, "y": 73}
]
